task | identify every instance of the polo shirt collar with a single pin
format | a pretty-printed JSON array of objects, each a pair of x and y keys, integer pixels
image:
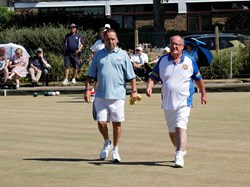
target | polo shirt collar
[
  {"x": 115, "y": 50},
  {"x": 182, "y": 58}
]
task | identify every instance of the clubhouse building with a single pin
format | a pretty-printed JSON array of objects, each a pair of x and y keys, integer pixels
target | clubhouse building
[{"x": 189, "y": 15}]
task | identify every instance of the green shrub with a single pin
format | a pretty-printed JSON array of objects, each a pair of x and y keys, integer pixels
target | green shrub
[
  {"x": 220, "y": 66},
  {"x": 6, "y": 14},
  {"x": 57, "y": 63}
]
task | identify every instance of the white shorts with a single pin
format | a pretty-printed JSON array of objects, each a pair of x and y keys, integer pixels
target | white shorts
[
  {"x": 110, "y": 109},
  {"x": 177, "y": 118}
]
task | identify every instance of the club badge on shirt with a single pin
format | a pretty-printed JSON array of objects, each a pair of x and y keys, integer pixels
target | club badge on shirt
[{"x": 185, "y": 66}]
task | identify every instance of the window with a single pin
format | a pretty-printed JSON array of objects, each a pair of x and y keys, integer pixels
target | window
[
  {"x": 193, "y": 23},
  {"x": 205, "y": 22},
  {"x": 118, "y": 19},
  {"x": 87, "y": 10},
  {"x": 128, "y": 22}
]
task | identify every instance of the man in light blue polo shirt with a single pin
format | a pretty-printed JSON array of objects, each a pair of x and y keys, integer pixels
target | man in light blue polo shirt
[
  {"x": 177, "y": 71},
  {"x": 111, "y": 67}
]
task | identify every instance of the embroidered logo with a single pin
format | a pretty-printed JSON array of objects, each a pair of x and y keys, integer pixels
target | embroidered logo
[
  {"x": 118, "y": 58},
  {"x": 185, "y": 66}
]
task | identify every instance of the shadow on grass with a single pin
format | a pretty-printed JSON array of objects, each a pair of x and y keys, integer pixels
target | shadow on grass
[
  {"x": 144, "y": 163},
  {"x": 99, "y": 162},
  {"x": 61, "y": 159},
  {"x": 71, "y": 101}
]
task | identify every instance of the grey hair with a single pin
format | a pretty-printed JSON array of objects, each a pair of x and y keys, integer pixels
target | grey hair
[{"x": 171, "y": 38}]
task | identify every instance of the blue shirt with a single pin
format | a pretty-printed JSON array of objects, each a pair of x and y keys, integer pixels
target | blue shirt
[
  {"x": 37, "y": 62},
  {"x": 111, "y": 69},
  {"x": 177, "y": 80},
  {"x": 72, "y": 43}
]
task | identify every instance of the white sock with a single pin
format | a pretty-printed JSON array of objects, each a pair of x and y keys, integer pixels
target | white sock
[
  {"x": 115, "y": 149},
  {"x": 182, "y": 153}
]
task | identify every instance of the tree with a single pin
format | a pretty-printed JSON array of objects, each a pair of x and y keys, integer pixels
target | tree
[
  {"x": 6, "y": 15},
  {"x": 158, "y": 26},
  {"x": 158, "y": 16},
  {"x": 238, "y": 21}
]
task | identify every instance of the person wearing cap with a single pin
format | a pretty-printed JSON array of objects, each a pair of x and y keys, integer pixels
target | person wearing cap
[
  {"x": 139, "y": 59},
  {"x": 73, "y": 44},
  {"x": 4, "y": 63},
  {"x": 165, "y": 51},
  {"x": 98, "y": 45},
  {"x": 38, "y": 66}
]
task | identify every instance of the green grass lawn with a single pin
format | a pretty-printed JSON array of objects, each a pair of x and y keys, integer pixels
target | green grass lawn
[{"x": 53, "y": 141}]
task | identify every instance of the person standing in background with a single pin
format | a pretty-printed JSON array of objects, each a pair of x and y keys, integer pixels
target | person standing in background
[
  {"x": 98, "y": 45},
  {"x": 73, "y": 44}
]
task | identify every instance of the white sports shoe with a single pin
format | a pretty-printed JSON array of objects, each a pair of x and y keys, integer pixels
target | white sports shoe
[
  {"x": 105, "y": 150},
  {"x": 116, "y": 157},
  {"x": 184, "y": 153},
  {"x": 73, "y": 81},
  {"x": 65, "y": 82},
  {"x": 179, "y": 159}
]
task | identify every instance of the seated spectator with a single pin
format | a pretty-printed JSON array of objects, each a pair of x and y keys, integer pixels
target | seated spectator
[
  {"x": 165, "y": 51},
  {"x": 139, "y": 61},
  {"x": 4, "y": 63},
  {"x": 18, "y": 65},
  {"x": 38, "y": 66}
]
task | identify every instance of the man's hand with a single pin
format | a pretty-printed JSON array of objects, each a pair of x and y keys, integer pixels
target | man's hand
[
  {"x": 148, "y": 91},
  {"x": 203, "y": 98},
  {"x": 87, "y": 96},
  {"x": 134, "y": 96},
  {"x": 77, "y": 52}
]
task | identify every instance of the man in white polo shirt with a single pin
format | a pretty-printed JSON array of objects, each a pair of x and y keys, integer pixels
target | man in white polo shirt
[{"x": 177, "y": 71}]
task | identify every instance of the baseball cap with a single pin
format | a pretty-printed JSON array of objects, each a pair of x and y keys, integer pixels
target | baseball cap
[
  {"x": 167, "y": 49},
  {"x": 39, "y": 50},
  {"x": 107, "y": 26},
  {"x": 139, "y": 48},
  {"x": 73, "y": 25}
]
